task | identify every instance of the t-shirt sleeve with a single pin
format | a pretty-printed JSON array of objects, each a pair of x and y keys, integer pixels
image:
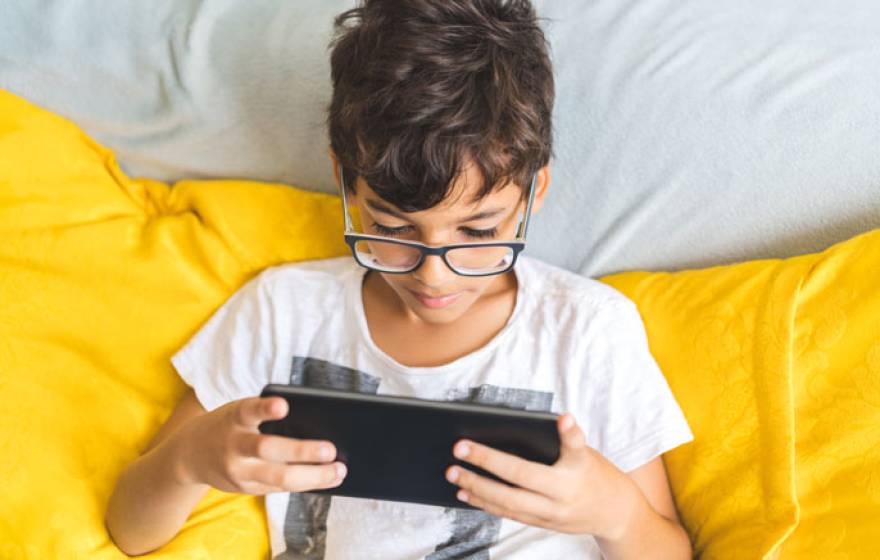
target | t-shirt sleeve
[
  {"x": 230, "y": 357},
  {"x": 640, "y": 418}
]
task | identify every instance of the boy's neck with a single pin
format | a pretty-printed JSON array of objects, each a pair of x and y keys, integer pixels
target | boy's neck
[{"x": 413, "y": 342}]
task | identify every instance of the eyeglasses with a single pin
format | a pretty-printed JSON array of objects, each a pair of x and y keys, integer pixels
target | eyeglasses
[{"x": 395, "y": 256}]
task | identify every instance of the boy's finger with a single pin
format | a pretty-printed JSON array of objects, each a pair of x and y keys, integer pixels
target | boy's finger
[
  {"x": 287, "y": 450},
  {"x": 509, "y": 498},
  {"x": 251, "y": 412},
  {"x": 257, "y": 489},
  {"x": 570, "y": 436},
  {"x": 508, "y": 467},
  {"x": 297, "y": 478},
  {"x": 499, "y": 510}
]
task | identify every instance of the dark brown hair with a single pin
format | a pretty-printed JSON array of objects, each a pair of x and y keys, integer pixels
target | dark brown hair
[{"x": 422, "y": 88}]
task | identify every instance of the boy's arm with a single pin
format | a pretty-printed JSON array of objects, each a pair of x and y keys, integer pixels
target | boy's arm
[
  {"x": 223, "y": 449},
  {"x": 151, "y": 501},
  {"x": 653, "y": 519},
  {"x": 652, "y": 480}
]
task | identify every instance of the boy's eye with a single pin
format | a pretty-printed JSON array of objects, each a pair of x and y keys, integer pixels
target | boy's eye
[
  {"x": 390, "y": 231},
  {"x": 480, "y": 233}
]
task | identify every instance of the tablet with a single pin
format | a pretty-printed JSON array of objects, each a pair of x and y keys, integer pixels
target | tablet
[{"x": 398, "y": 448}]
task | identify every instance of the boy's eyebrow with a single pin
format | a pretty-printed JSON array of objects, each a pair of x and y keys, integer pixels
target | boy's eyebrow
[
  {"x": 379, "y": 207},
  {"x": 484, "y": 214}
]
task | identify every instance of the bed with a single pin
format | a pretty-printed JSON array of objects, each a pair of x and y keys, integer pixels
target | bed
[{"x": 722, "y": 158}]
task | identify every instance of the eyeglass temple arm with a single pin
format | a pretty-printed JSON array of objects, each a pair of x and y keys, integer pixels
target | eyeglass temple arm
[
  {"x": 524, "y": 223},
  {"x": 345, "y": 215}
]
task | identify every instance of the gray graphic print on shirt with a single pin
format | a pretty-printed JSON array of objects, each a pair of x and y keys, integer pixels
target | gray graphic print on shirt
[
  {"x": 473, "y": 531},
  {"x": 305, "y": 523}
]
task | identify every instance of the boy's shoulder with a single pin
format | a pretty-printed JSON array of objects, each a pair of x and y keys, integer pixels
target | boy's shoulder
[
  {"x": 327, "y": 276},
  {"x": 325, "y": 269},
  {"x": 565, "y": 294}
]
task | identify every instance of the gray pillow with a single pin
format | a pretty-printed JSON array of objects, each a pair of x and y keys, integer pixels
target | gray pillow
[{"x": 688, "y": 133}]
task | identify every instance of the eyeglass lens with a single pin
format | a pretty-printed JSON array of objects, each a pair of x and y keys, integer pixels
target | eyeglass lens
[{"x": 394, "y": 257}]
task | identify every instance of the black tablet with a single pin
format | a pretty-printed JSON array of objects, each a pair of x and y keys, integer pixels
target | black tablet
[{"x": 398, "y": 448}]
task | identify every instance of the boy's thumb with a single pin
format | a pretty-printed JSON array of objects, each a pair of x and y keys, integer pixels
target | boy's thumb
[{"x": 571, "y": 436}]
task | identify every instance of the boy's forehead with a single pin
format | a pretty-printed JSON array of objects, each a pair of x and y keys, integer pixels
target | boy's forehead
[{"x": 463, "y": 199}]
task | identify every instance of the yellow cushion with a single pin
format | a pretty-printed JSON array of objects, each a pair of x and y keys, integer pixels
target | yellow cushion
[
  {"x": 837, "y": 405},
  {"x": 102, "y": 278},
  {"x": 776, "y": 364}
]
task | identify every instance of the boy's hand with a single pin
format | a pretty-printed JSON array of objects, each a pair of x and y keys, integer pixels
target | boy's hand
[
  {"x": 225, "y": 449},
  {"x": 581, "y": 493}
]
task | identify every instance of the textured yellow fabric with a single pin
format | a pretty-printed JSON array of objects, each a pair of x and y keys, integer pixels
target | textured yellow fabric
[
  {"x": 102, "y": 278},
  {"x": 776, "y": 364},
  {"x": 837, "y": 406}
]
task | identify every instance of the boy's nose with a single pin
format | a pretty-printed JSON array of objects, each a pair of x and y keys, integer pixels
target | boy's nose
[{"x": 433, "y": 272}]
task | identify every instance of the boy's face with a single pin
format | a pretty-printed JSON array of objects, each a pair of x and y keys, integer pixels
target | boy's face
[{"x": 434, "y": 293}]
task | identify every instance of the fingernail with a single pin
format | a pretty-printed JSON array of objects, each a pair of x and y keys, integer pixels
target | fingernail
[
  {"x": 326, "y": 453},
  {"x": 462, "y": 450},
  {"x": 452, "y": 475},
  {"x": 340, "y": 471},
  {"x": 462, "y": 495},
  {"x": 277, "y": 407},
  {"x": 567, "y": 422}
]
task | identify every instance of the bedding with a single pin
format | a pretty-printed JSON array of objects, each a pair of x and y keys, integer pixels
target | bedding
[
  {"x": 102, "y": 278},
  {"x": 775, "y": 363},
  {"x": 687, "y": 134}
]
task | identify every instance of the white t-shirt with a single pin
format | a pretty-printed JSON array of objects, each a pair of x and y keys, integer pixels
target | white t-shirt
[{"x": 571, "y": 344}]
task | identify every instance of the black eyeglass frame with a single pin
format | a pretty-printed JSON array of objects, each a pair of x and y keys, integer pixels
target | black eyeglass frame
[{"x": 516, "y": 245}]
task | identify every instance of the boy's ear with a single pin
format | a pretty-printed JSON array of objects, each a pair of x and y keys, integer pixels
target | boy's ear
[{"x": 542, "y": 183}]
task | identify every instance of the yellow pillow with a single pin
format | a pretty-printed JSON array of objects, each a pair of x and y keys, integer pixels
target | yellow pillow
[
  {"x": 837, "y": 405},
  {"x": 102, "y": 278},
  {"x": 776, "y": 364}
]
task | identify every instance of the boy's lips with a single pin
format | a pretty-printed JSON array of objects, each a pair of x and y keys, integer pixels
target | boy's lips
[{"x": 435, "y": 302}]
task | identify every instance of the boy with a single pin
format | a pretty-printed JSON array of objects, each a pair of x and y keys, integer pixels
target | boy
[{"x": 440, "y": 137}]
